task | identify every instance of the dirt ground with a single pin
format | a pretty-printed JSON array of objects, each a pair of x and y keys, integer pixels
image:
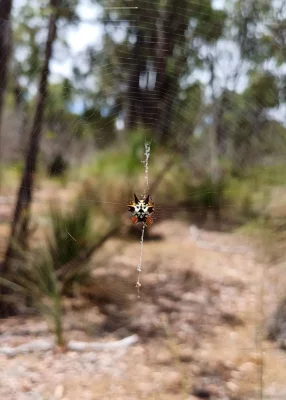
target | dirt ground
[{"x": 200, "y": 322}]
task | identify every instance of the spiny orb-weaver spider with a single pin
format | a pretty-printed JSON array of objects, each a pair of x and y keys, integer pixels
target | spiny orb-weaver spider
[{"x": 141, "y": 210}]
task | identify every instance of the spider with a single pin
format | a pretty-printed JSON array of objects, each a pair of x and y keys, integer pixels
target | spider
[{"x": 141, "y": 210}]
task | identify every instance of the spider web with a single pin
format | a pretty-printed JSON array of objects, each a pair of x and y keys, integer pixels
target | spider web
[
  {"x": 231, "y": 73},
  {"x": 147, "y": 155}
]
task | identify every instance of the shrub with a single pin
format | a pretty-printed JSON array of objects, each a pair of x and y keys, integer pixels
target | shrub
[
  {"x": 207, "y": 196},
  {"x": 42, "y": 277},
  {"x": 71, "y": 233},
  {"x": 57, "y": 167},
  {"x": 34, "y": 279}
]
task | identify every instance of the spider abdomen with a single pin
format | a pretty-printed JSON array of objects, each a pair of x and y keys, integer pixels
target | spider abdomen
[{"x": 141, "y": 210}]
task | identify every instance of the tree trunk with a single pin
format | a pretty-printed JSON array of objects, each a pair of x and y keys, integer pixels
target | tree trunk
[
  {"x": 5, "y": 34},
  {"x": 137, "y": 66},
  {"x": 20, "y": 108},
  {"x": 153, "y": 107},
  {"x": 19, "y": 226},
  {"x": 171, "y": 24},
  {"x": 221, "y": 133}
]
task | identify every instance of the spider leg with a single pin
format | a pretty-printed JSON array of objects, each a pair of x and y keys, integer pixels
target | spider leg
[
  {"x": 149, "y": 221},
  {"x": 134, "y": 220}
]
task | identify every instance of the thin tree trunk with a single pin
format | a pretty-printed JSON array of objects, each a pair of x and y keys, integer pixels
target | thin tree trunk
[
  {"x": 133, "y": 94},
  {"x": 214, "y": 155},
  {"x": 5, "y": 33},
  {"x": 21, "y": 216},
  {"x": 213, "y": 131},
  {"x": 169, "y": 26},
  {"x": 20, "y": 110},
  {"x": 221, "y": 133}
]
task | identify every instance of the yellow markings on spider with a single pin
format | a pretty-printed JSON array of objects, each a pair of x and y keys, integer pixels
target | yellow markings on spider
[{"x": 141, "y": 210}]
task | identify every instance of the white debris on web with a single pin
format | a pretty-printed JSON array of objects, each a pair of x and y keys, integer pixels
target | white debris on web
[
  {"x": 141, "y": 252},
  {"x": 138, "y": 284},
  {"x": 146, "y": 163}
]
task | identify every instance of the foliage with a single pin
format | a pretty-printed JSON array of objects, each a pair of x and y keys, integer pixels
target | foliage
[
  {"x": 100, "y": 127},
  {"x": 115, "y": 171},
  {"x": 146, "y": 74},
  {"x": 71, "y": 234},
  {"x": 152, "y": 63},
  {"x": 240, "y": 198},
  {"x": 109, "y": 182},
  {"x": 37, "y": 276},
  {"x": 124, "y": 161},
  {"x": 58, "y": 166},
  {"x": 34, "y": 278},
  {"x": 207, "y": 194},
  {"x": 263, "y": 90}
]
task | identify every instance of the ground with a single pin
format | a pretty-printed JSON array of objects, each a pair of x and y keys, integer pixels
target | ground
[{"x": 200, "y": 321}]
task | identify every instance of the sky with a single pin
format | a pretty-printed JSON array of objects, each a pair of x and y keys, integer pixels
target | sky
[{"x": 80, "y": 36}]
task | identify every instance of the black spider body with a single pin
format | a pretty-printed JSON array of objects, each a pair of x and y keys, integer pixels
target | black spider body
[{"x": 141, "y": 210}]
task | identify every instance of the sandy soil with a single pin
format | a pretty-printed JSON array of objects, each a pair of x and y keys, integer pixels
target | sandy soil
[{"x": 200, "y": 321}]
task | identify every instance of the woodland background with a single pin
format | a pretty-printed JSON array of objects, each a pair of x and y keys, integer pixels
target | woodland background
[{"x": 84, "y": 85}]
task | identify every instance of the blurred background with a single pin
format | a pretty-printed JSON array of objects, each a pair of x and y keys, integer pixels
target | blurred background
[{"x": 86, "y": 86}]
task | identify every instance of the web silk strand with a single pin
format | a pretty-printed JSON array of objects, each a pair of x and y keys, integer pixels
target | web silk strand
[
  {"x": 138, "y": 284},
  {"x": 146, "y": 163}
]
